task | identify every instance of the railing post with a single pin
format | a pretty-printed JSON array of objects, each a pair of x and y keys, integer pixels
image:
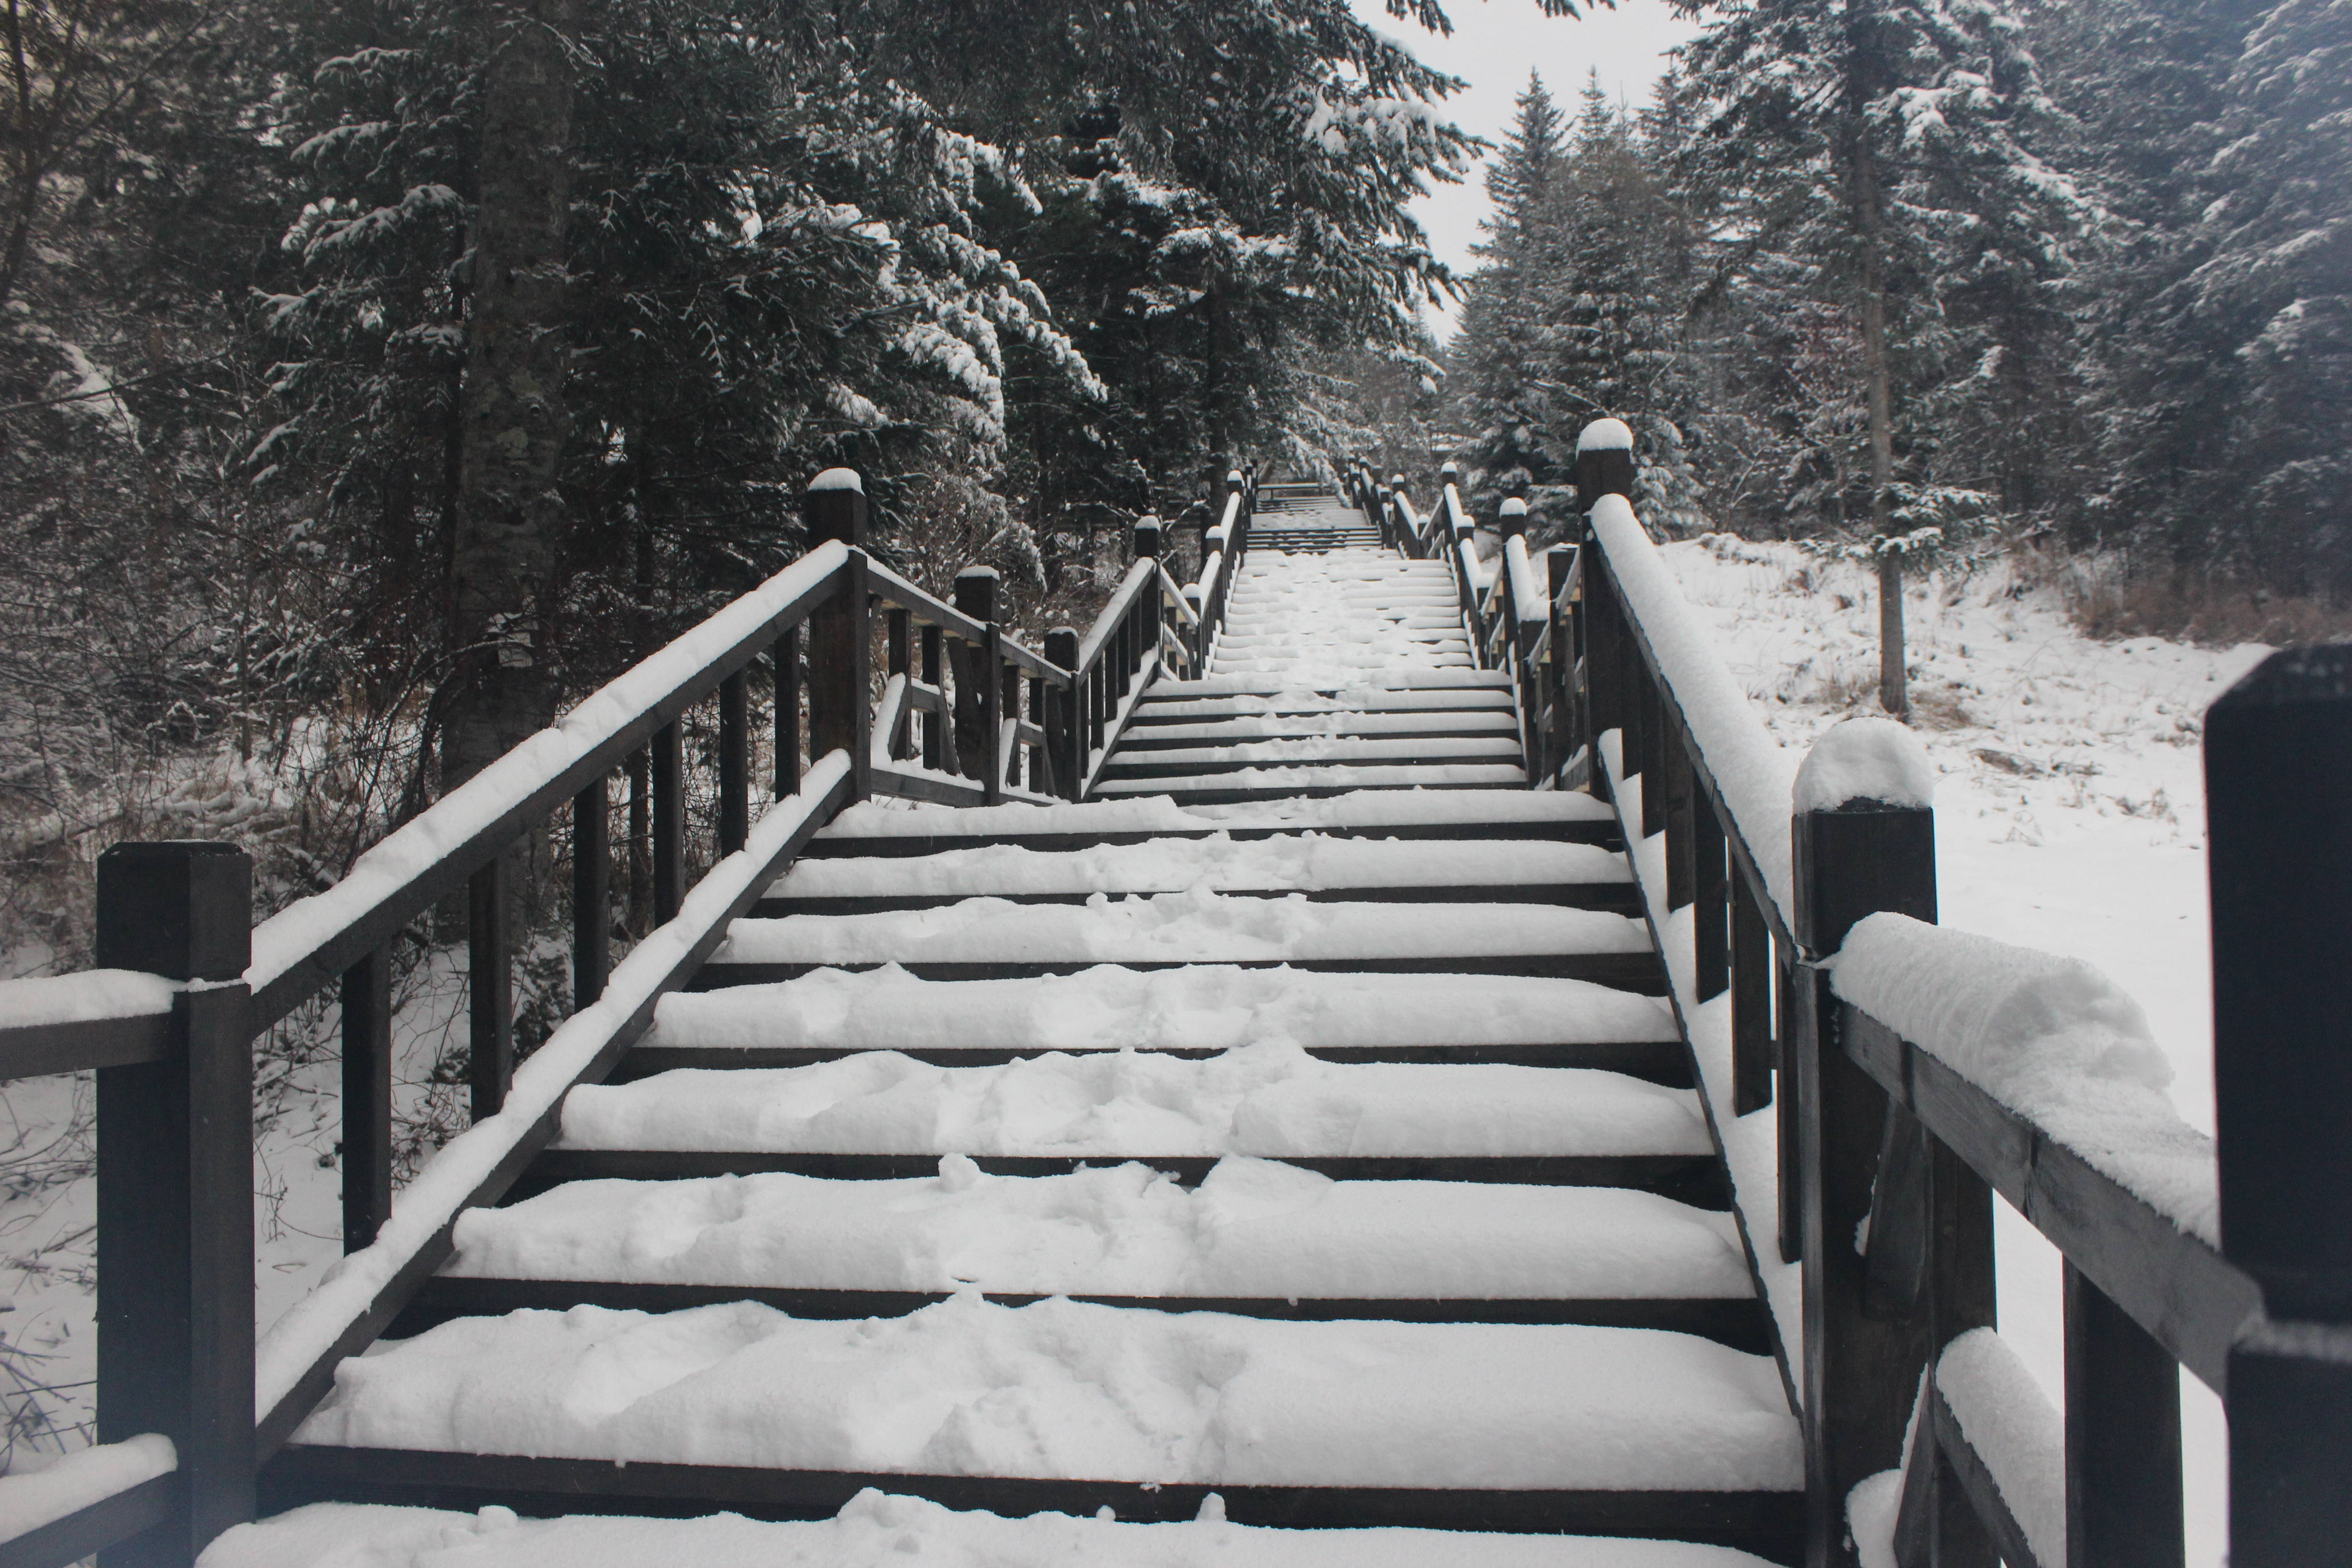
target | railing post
[
  {"x": 899, "y": 658},
  {"x": 1565, "y": 633},
  {"x": 1751, "y": 999},
  {"x": 175, "y": 1189},
  {"x": 786, "y": 662},
  {"x": 367, "y": 1098},
  {"x": 1604, "y": 462},
  {"x": 1147, "y": 538},
  {"x": 2278, "y": 753},
  {"x": 1065, "y": 733},
  {"x": 490, "y": 959},
  {"x": 734, "y": 764},
  {"x": 1859, "y": 1371},
  {"x": 591, "y": 895},
  {"x": 978, "y": 737},
  {"x": 667, "y": 763},
  {"x": 841, "y": 700},
  {"x": 935, "y": 725},
  {"x": 2123, "y": 1438}
]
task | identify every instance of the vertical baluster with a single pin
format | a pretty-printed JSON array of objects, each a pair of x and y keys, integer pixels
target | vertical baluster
[
  {"x": 1043, "y": 774},
  {"x": 668, "y": 769},
  {"x": 1657, "y": 783},
  {"x": 1683, "y": 851},
  {"x": 591, "y": 895},
  {"x": 367, "y": 1098},
  {"x": 1008, "y": 687},
  {"x": 1751, "y": 999},
  {"x": 734, "y": 764},
  {"x": 489, "y": 980},
  {"x": 899, "y": 651},
  {"x": 1789, "y": 1124},
  {"x": 1711, "y": 934},
  {"x": 976, "y": 681},
  {"x": 841, "y": 695},
  {"x": 987, "y": 662},
  {"x": 175, "y": 1189},
  {"x": 1067, "y": 731},
  {"x": 931, "y": 725},
  {"x": 2123, "y": 1438},
  {"x": 641, "y": 841},
  {"x": 786, "y": 662}
]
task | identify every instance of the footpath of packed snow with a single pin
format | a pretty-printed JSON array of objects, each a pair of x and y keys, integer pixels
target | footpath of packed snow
[
  {"x": 875, "y": 1529},
  {"x": 1270, "y": 1099},
  {"x": 1197, "y": 926},
  {"x": 1291, "y": 749},
  {"x": 1310, "y": 861},
  {"x": 1196, "y": 1007},
  {"x": 1335, "y": 776},
  {"x": 1062, "y": 1388},
  {"x": 1255, "y": 1229},
  {"x": 1334, "y": 720}
]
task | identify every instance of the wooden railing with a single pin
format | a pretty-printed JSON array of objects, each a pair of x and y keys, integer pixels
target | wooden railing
[
  {"x": 1889, "y": 1152},
  {"x": 188, "y": 1410},
  {"x": 1222, "y": 546}
]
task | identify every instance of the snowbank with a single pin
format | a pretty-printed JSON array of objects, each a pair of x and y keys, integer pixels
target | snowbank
[
  {"x": 2052, "y": 1039},
  {"x": 876, "y": 1528},
  {"x": 1255, "y": 1229},
  {"x": 1269, "y": 1099},
  {"x": 1062, "y": 1388},
  {"x": 1865, "y": 759},
  {"x": 1197, "y": 1007}
]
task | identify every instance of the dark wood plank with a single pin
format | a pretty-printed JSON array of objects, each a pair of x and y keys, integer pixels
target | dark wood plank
[
  {"x": 1735, "y": 1321},
  {"x": 367, "y": 1098},
  {"x": 1760, "y": 1522},
  {"x": 149, "y": 1506},
  {"x": 32, "y": 1050},
  {"x": 1694, "y": 1179},
  {"x": 2123, "y": 1438},
  {"x": 490, "y": 978},
  {"x": 1981, "y": 1491}
]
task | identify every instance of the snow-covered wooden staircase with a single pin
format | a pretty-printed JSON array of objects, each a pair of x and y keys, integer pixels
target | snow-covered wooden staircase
[{"x": 1300, "y": 1119}]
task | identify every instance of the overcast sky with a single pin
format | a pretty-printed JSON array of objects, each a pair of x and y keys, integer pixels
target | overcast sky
[{"x": 1493, "y": 45}]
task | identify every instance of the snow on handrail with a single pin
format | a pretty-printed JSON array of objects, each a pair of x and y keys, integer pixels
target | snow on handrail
[
  {"x": 1112, "y": 613},
  {"x": 91, "y": 996},
  {"x": 301, "y": 929},
  {"x": 82, "y": 1479},
  {"x": 344, "y": 1296},
  {"x": 1752, "y": 775}
]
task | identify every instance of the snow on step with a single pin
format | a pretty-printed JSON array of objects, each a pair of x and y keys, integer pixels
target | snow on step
[
  {"x": 1155, "y": 708},
  {"x": 1196, "y": 926},
  {"x": 1345, "y": 682},
  {"x": 1254, "y": 1229},
  {"x": 1305, "y": 861},
  {"x": 1067, "y": 1389},
  {"x": 876, "y": 1527},
  {"x": 1449, "y": 775},
  {"x": 1197, "y": 1007},
  {"x": 1333, "y": 721},
  {"x": 1345, "y": 749},
  {"x": 1271, "y": 1099},
  {"x": 1369, "y": 810}
]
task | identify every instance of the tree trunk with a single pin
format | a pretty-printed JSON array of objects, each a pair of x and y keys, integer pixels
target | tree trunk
[
  {"x": 1870, "y": 234},
  {"x": 513, "y": 415}
]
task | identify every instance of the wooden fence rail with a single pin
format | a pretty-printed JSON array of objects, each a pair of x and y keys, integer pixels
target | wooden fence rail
[{"x": 187, "y": 1412}]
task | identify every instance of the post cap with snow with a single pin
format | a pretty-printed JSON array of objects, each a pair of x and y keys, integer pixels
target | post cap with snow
[
  {"x": 1606, "y": 435},
  {"x": 1513, "y": 517},
  {"x": 1233, "y": 479},
  {"x": 1449, "y": 471},
  {"x": 975, "y": 592},
  {"x": 834, "y": 507},
  {"x": 1396, "y": 481},
  {"x": 1147, "y": 536},
  {"x": 1868, "y": 764}
]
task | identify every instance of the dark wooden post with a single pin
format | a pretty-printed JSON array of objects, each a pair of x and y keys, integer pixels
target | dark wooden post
[
  {"x": 1681, "y": 793},
  {"x": 1065, "y": 733},
  {"x": 1711, "y": 893},
  {"x": 2123, "y": 1438},
  {"x": 367, "y": 1098},
  {"x": 175, "y": 1189},
  {"x": 668, "y": 761},
  {"x": 1566, "y": 728},
  {"x": 898, "y": 656},
  {"x": 2278, "y": 753},
  {"x": 1751, "y": 999},
  {"x": 1008, "y": 711},
  {"x": 786, "y": 660},
  {"x": 1859, "y": 1371},
  {"x": 591, "y": 895},
  {"x": 490, "y": 970},
  {"x": 1604, "y": 462},
  {"x": 977, "y": 698},
  {"x": 936, "y": 752},
  {"x": 734, "y": 764},
  {"x": 1147, "y": 538},
  {"x": 841, "y": 701}
]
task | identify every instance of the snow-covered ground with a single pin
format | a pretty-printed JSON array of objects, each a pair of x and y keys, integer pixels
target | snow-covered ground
[{"x": 2069, "y": 816}]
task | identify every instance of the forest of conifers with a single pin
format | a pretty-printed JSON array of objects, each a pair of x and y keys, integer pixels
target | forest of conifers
[{"x": 380, "y": 375}]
